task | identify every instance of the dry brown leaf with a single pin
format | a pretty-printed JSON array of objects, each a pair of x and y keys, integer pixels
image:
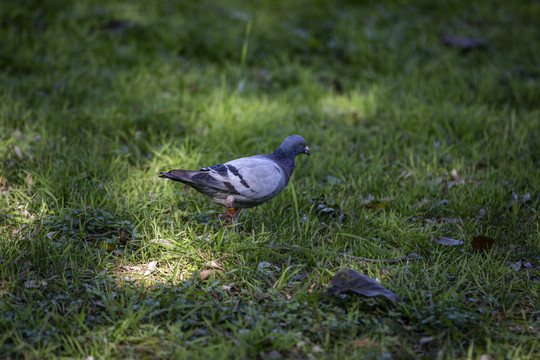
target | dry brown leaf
[
  {"x": 205, "y": 274},
  {"x": 482, "y": 242},
  {"x": 3, "y": 184},
  {"x": 30, "y": 180},
  {"x": 364, "y": 343},
  {"x": 376, "y": 205},
  {"x": 122, "y": 235}
]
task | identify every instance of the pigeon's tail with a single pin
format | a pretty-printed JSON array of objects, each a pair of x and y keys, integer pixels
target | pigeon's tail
[
  {"x": 199, "y": 180},
  {"x": 179, "y": 175}
]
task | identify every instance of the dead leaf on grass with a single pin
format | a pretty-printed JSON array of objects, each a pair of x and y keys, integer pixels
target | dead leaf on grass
[
  {"x": 35, "y": 284},
  {"x": 150, "y": 268},
  {"x": 371, "y": 204},
  {"x": 18, "y": 152},
  {"x": 122, "y": 235},
  {"x": 30, "y": 180},
  {"x": 348, "y": 280},
  {"x": 214, "y": 264},
  {"x": 447, "y": 241},
  {"x": 205, "y": 274},
  {"x": 482, "y": 242},
  {"x": 3, "y": 184},
  {"x": 364, "y": 343}
]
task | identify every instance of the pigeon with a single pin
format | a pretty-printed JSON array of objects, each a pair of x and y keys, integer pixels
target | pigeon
[{"x": 245, "y": 182}]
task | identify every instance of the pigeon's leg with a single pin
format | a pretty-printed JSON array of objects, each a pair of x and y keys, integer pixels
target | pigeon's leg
[
  {"x": 232, "y": 214},
  {"x": 229, "y": 215},
  {"x": 236, "y": 214}
]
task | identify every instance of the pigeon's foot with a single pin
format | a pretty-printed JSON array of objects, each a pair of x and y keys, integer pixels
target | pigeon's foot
[{"x": 232, "y": 215}]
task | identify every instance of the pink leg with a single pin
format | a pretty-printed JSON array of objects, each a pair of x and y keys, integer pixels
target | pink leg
[
  {"x": 230, "y": 215},
  {"x": 233, "y": 212}
]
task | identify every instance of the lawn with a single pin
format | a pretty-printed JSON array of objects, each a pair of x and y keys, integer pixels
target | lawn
[{"x": 423, "y": 121}]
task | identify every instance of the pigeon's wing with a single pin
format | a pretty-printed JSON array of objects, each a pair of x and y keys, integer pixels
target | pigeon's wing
[{"x": 256, "y": 177}]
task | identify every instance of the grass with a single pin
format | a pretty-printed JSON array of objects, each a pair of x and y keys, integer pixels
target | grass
[{"x": 100, "y": 258}]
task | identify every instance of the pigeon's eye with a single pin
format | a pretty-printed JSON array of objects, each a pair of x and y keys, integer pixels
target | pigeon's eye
[{"x": 302, "y": 144}]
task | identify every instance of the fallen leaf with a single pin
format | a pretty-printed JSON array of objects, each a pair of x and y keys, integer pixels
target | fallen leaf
[
  {"x": 516, "y": 266},
  {"x": 205, "y": 274},
  {"x": 455, "y": 175},
  {"x": 379, "y": 204},
  {"x": 18, "y": 151},
  {"x": 150, "y": 268},
  {"x": 161, "y": 241},
  {"x": 30, "y": 180},
  {"x": 122, "y": 235},
  {"x": 348, "y": 280},
  {"x": 482, "y": 242},
  {"x": 27, "y": 214},
  {"x": 364, "y": 343},
  {"x": 214, "y": 264},
  {"x": 447, "y": 241},
  {"x": 426, "y": 339},
  {"x": 3, "y": 184},
  {"x": 167, "y": 244},
  {"x": 487, "y": 357},
  {"x": 34, "y": 284},
  {"x": 528, "y": 265}
]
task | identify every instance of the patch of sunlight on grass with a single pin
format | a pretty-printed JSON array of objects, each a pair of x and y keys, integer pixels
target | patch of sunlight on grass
[{"x": 355, "y": 104}]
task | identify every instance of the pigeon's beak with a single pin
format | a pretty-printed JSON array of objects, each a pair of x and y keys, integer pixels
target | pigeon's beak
[{"x": 306, "y": 151}]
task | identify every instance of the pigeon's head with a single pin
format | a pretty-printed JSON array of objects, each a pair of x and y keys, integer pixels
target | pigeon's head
[{"x": 294, "y": 145}]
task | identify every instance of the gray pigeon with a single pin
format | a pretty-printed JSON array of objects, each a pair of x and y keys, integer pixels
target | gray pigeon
[{"x": 245, "y": 182}]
